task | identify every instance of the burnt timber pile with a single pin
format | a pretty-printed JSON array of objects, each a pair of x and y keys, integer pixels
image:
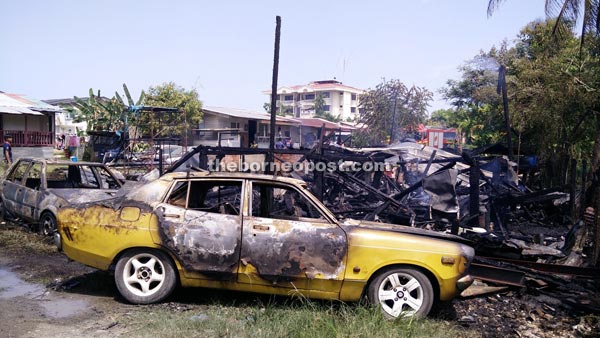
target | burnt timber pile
[{"x": 524, "y": 239}]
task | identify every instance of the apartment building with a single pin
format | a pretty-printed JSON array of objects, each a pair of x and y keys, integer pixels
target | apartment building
[{"x": 299, "y": 101}]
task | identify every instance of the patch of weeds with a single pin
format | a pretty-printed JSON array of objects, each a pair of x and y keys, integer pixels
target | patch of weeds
[
  {"x": 292, "y": 318},
  {"x": 17, "y": 240}
]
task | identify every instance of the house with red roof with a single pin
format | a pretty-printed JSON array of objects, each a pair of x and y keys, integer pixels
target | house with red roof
[{"x": 299, "y": 101}]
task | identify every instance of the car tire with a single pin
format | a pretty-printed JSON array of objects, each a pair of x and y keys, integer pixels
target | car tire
[
  {"x": 145, "y": 276},
  {"x": 47, "y": 224},
  {"x": 401, "y": 292}
]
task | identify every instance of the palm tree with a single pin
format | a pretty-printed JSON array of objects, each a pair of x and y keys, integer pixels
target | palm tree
[{"x": 567, "y": 13}]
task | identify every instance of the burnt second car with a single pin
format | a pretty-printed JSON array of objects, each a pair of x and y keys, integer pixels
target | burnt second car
[
  {"x": 33, "y": 190},
  {"x": 262, "y": 234}
]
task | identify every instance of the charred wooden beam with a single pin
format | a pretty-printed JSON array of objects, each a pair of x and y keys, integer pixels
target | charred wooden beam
[
  {"x": 551, "y": 268},
  {"x": 498, "y": 275}
]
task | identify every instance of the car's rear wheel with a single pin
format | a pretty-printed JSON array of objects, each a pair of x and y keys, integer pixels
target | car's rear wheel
[
  {"x": 145, "y": 276},
  {"x": 47, "y": 224},
  {"x": 401, "y": 292}
]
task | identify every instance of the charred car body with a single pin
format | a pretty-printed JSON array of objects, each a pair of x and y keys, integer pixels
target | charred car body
[
  {"x": 261, "y": 234},
  {"x": 33, "y": 190}
]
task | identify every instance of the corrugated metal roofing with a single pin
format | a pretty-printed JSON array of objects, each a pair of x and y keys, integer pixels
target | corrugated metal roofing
[
  {"x": 316, "y": 122},
  {"x": 22, "y": 104},
  {"x": 248, "y": 114}
]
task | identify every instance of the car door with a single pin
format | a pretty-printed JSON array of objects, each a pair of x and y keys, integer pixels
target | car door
[
  {"x": 200, "y": 222},
  {"x": 287, "y": 241},
  {"x": 12, "y": 188},
  {"x": 29, "y": 202}
]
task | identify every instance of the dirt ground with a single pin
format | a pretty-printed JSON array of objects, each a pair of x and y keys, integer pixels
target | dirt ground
[{"x": 43, "y": 294}]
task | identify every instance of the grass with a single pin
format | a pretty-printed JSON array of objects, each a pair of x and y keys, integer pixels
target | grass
[
  {"x": 18, "y": 240},
  {"x": 305, "y": 319}
]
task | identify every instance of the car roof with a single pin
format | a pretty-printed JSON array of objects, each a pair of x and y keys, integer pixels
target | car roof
[
  {"x": 232, "y": 175},
  {"x": 55, "y": 161}
]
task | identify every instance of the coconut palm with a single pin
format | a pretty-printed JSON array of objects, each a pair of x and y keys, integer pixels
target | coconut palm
[{"x": 568, "y": 12}]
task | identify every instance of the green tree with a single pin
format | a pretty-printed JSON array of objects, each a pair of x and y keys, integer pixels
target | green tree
[
  {"x": 170, "y": 95},
  {"x": 584, "y": 71},
  {"x": 568, "y": 12},
  {"x": 319, "y": 105},
  {"x": 477, "y": 106},
  {"x": 391, "y": 108}
]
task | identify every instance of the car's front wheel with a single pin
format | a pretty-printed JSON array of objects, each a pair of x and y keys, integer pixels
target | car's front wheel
[
  {"x": 145, "y": 276},
  {"x": 47, "y": 224},
  {"x": 401, "y": 292}
]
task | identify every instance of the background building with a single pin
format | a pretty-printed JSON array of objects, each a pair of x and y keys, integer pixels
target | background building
[{"x": 299, "y": 101}]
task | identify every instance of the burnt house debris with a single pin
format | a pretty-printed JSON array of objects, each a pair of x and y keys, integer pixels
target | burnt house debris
[{"x": 523, "y": 237}]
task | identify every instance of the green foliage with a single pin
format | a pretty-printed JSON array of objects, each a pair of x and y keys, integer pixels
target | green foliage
[
  {"x": 553, "y": 95},
  {"x": 320, "y": 109},
  {"x": 391, "y": 108},
  {"x": 319, "y": 105},
  {"x": 102, "y": 113},
  {"x": 170, "y": 95},
  {"x": 478, "y": 109}
]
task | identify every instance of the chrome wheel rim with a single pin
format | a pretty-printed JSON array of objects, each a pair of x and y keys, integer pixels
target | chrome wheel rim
[
  {"x": 400, "y": 294},
  {"x": 48, "y": 226},
  {"x": 144, "y": 275}
]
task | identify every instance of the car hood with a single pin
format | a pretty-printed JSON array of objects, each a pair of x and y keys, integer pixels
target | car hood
[
  {"x": 83, "y": 195},
  {"x": 353, "y": 224}
]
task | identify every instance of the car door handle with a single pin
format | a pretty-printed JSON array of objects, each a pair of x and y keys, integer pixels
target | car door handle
[
  {"x": 172, "y": 215},
  {"x": 261, "y": 227}
]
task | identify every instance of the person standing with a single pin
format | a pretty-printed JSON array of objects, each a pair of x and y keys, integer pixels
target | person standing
[{"x": 7, "y": 149}]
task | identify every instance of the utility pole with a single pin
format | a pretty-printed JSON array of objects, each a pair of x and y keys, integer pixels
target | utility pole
[
  {"x": 271, "y": 154},
  {"x": 392, "y": 129},
  {"x": 502, "y": 88}
]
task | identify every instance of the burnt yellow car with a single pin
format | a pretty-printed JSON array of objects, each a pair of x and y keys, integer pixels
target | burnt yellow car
[{"x": 261, "y": 234}]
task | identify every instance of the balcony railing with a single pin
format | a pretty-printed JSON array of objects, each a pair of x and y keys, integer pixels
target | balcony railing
[{"x": 30, "y": 138}]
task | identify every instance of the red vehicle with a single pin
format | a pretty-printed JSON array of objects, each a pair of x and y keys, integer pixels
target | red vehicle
[{"x": 437, "y": 137}]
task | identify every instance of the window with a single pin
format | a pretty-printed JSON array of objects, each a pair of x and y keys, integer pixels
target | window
[
  {"x": 353, "y": 97},
  {"x": 325, "y": 95},
  {"x": 178, "y": 196},
  {"x": 16, "y": 176},
  {"x": 87, "y": 178},
  {"x": 33, "y": 179},
  {"x": 107, "y": 181},
  {"x": 235, "y": 125},
  {"x": 326, "y": 107},
  {"x": 280, "y": 201},
  {"x": 64, "y": 176},
  {"x": 288, "y": 98},
  {"x": 309, "y": 96},
  {"x": 353, "y": 109},
  {"x": 210, "y": 196}
]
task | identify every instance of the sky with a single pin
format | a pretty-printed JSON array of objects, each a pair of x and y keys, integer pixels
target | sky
[{"x": 224, "y": 49}]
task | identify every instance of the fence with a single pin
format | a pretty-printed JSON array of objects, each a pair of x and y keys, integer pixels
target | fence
[{"x": 30, "y": 138}]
